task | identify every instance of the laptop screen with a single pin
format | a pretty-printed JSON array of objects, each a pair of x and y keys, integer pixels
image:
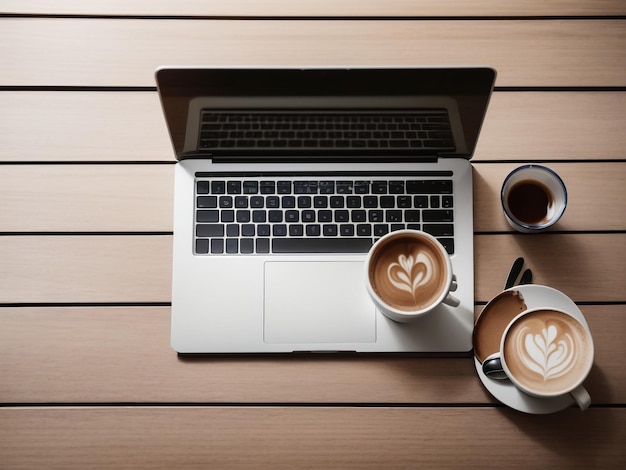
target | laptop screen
[{"x": 334, "y": 112}]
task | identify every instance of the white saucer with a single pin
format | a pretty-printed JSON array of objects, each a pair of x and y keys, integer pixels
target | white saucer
[{"x": 535, "y": 296}]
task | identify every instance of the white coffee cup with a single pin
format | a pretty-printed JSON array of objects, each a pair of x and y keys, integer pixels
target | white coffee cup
[
  {"x": 547, "y": 353},
  {"x": 408, "y": 274},
  {"x": 533, "y": 197}
]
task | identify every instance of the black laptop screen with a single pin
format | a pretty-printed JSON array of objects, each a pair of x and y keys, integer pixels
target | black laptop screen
[{"x": 325, "y": 92}]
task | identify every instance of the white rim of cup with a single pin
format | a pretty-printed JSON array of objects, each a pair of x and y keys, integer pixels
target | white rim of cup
[
  {"x": 515, "y": 219},
  {"x": 442, "y": 296},
  {"x": 522, "y": 387}
]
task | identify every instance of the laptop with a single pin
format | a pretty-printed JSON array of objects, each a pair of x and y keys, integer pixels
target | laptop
[{"x": 287, "y": 176}]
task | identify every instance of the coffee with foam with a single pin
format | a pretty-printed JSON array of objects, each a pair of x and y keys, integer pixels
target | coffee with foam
[
  {"x": 547, "y": 352},
  {"x": 408, "y": 272}
]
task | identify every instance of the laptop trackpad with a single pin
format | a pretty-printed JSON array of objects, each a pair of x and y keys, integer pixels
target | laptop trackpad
[{"x": 317, "y": 302}]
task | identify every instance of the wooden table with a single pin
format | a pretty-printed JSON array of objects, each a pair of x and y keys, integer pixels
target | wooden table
[{"x": 87, "y": 376}]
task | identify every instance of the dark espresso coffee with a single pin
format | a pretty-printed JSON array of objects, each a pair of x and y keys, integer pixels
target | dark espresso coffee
[
  {"x": 547, "y": 352},
  {"x": 530, "y": 201},
  {"x": 408, "y": 273}
]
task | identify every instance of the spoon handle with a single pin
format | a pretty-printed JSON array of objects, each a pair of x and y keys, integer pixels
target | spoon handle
[{"x": 514, "y": 272}]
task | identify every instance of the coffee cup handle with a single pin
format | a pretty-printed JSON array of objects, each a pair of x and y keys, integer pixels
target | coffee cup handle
[
  {"x": 582, "y": 397},
  {"x": 451, "y": 300}
]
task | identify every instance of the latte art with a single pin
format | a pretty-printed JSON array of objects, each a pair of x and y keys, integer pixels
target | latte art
[
  {"x": 547, "y": 351},
  {"x": 408, "y": 273},
  {"x": 411, "y": 272},
  {"x": 550, "y": 353}
]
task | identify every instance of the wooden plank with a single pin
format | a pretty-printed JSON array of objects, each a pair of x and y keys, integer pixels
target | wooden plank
[
  {"x": 86, "y": 198},
  {"x": 589, "y": 267},
  {"x": 127, "y": 198},
  {"x": 319, "y": 8},
  {"x": 85, "y": 268},
  {"x": 83, "y": 126},
  {"x": 129, "y": 126},
  {"x": 277, "y": 437},
  {"x": 135, "y": 364},
  {"x": 126, "y": 52}
]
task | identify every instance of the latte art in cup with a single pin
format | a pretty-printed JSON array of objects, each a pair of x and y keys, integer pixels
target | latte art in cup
[
  {"x": 547, "y": 352},
  {"x": 408, "y": 273}
]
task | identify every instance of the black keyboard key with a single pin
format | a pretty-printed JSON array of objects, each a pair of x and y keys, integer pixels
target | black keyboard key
[
  {"x": 429, "y": 187},
  {"x": 361, "y": 187},
  {"x": 232, "y": 245},
  {"x": 393, "y": 216},
  {"x": 358, "y": 216},
  {"x": 232, "y": 230},
  {"x": 364, "y": 230},
  {"x": 448, "y": 244},
  {"x": 243, "y": 216},
  {"x": 246, "y": 245},
  {"x": 342, "y": 216},
  {"x": 247, "y": 230},
  {"x": 326, "y": 187},
  {"x": 439, "y": 230},
  {"x": 353, "y": 202},
  {"x": 228, "y": 216},
  {"x": 217, "y": 245},
  {"x": 404, "y": 202},
  {"x": 226, "y": 202},
  {"x": 375, "y": 216},
  {"x": 313, "y": 230},
  {"x": 437, "y": 216},
  {"x": 292, "y": 216},
  {"x": 259, "y": 216},
  {"x": 241, "y": 202},
  {"x": 202, "y": 187},
  {"x": 250, "y": 187},
  {"x": 268, "y": 187},
  {"x": 412, "y": 216},
  {"x": 435, "y": 202},
  {"x": 233, "y": 187},
  {"x": 305, "y": 187},
  {"x": 275, "y": 216},
  {"x": 207, "y": 216},
  {"x": 337, "y": 202},
  {"x": 387, "y": 202},
  {"x": 344, "y": 187},
  {"x": 379, "y": 187},
  {"x": 262, "y": 245},
  {"x": 288, "y": 202},
  {"x": 420, "y": 202},
  {"x": 257, "y": 202},
  {"x": 218, "y": 187},
  {"x": 447, "y": 201},
  {"x": 263, "y": 230},
  {"x": 346, "y": 230},
  {"x": 396, "y": 227},
  {"x": 209, "y": 230},
  {"x": 380, "y": 230},
  {"x": 271, "y": 202},
  {"x": 279, "y": 230},
  {"x": 202, "y": 246},
  {"x": 283, "y": 187},
  {"x": 296, "y": 230},
  {"x": 329, "y": 230},
  {"x": 321, "y": 245},
  {"x": 325, "y": 216},
  {"x": 308, "y": 216},
  {"x": 304, "y": 202},
  {"x": 206, "y": 202}
]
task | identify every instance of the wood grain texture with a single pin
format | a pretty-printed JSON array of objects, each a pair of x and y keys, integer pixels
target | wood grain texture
[
  {"x": 86, "y": 198},
  {"x": 278, "y": 437},
  {"x": 85, "y": 268},
  {"x": 129, "y": 126},
  {"x": 122, "y": 355},
  {"x": 348, "y": 8},
  {"x": 589, "y": 267},
  {"x": 126, "y": 52}
]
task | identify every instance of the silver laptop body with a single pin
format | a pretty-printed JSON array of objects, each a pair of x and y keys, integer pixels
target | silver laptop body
[{"x": 285, "y": 178}]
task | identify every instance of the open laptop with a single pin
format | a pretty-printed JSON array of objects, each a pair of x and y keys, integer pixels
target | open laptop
[{"x": 286, "y": 177}]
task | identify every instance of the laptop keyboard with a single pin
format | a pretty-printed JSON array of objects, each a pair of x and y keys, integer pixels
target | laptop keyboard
[
  {"x": 424, "y": 129},
  {"x": 250, "y": 215}
]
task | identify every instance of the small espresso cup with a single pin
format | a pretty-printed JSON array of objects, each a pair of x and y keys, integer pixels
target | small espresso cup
[
  {"x": 533, "y": 197},
  {"x": 408, "y": 274},
  {"x": 548, "y": 353}
]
